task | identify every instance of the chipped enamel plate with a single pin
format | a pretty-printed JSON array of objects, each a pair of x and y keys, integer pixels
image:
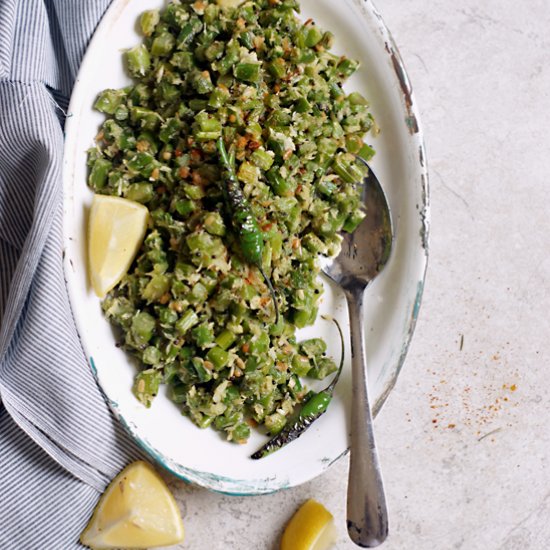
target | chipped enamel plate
[{"x": 202, "y": 456}]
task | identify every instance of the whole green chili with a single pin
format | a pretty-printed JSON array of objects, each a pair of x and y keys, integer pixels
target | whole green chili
[
  {"x": 246, "y": 226},
  {"x": 311, "y": 410}
]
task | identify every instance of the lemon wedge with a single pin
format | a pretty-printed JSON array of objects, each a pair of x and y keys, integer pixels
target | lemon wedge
[
  {"x": 115, "y": 233},
  {"x": 137, "y": 510},
  {"x": 310, "y": 528}
]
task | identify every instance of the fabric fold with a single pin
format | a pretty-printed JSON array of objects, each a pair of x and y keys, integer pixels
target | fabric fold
[{"x": 30, "y": 189}]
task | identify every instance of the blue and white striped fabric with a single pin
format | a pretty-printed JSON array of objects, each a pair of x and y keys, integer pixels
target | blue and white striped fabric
[{"x": 59, "y": 444}]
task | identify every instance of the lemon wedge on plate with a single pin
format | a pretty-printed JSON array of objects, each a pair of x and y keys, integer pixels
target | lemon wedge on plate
[
  {"x": 115, "y": 233},
  {"x": 137, "y": 510},
  {"x": 310, "y": 528}
]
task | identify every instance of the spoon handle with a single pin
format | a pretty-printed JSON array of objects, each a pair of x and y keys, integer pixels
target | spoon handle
[{"x": 367, "y": 515}]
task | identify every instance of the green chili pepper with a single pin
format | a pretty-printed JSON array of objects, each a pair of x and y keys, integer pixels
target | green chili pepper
[
  {"x": 316, "y": 405},
  {"x": 249, "y": 233},
  {"x": 312, "y": 409}
]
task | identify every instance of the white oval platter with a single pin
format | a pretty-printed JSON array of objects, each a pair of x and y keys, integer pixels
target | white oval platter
[{"x": 393, "y": 300}]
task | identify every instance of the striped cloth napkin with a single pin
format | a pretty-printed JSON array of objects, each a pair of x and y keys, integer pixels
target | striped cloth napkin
[{"x": 59, "y": 444}]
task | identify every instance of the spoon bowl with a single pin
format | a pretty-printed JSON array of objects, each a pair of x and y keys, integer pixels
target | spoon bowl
[
  {"x": 365, "y": 252},
  {"x": 363, "y": 255}
]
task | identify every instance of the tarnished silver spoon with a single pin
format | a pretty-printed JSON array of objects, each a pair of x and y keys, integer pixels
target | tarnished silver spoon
[{"x": 364, "y": 254}]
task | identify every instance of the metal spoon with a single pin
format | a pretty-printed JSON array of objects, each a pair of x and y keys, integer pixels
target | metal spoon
[{"x": 364, "y": 254}]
